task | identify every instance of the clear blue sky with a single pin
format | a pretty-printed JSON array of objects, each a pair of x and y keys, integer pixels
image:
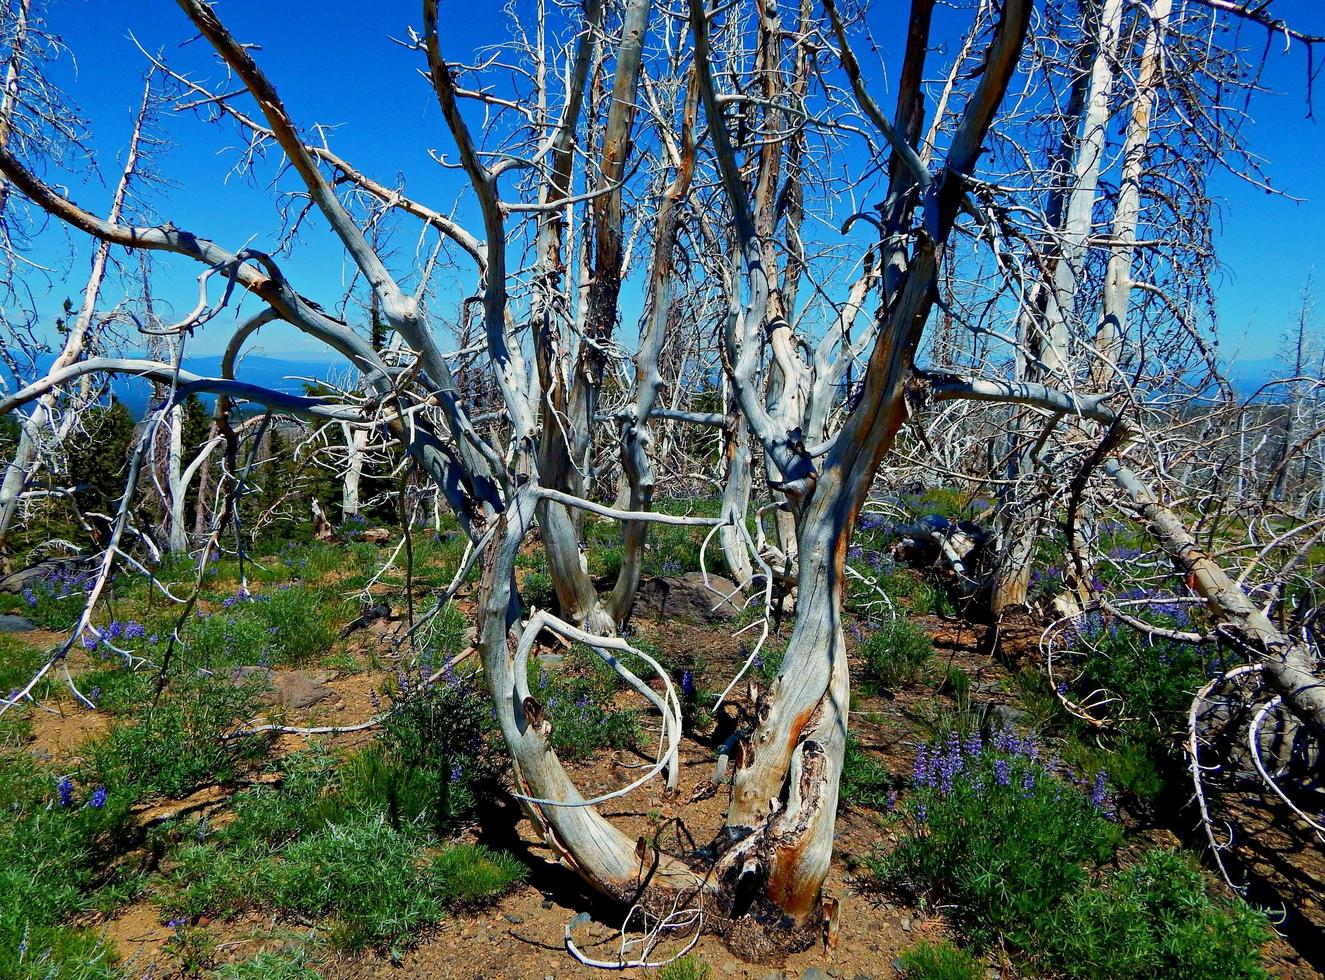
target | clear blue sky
[{"x": 335, "y": 62}]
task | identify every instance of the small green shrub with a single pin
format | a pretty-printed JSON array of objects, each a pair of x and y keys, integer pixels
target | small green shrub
[
  {"x": 896, "y": 653},
  {"x": 364, "y": 874},
  {"x": 939, "y": 961},
  {"x": 536, "y": 590},
  {"x": 470, "y": 875},
  {"x": 996, "y": 834},
  {"x": 1154, "y": 919},
  {"x": 578, "y": 697},
  {"x": 299, "y": 620},
  {"x": 187, "y": 740},
  {"x": 865, "y": 780},
  {"x": 444, "y": 738},
  {"x": 685, "y": 968},
  {"x": 293, "y": 965},
  {"x": 194, "y": 947}
]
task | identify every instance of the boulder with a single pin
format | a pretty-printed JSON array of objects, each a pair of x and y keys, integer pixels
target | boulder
[
  {"x": 687, "y": 597},
  {"x": 291, "y": 688},
  {"x": 10, "y": 623}
]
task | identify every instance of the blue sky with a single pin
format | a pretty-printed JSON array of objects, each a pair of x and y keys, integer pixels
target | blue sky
[{"x": 335, "y": 62}]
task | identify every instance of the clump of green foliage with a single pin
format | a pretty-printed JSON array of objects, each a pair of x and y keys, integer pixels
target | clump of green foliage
[
  {"x": 939, "y": 961},
  {"x": 190, "y": 737},
  {"x": 1012, "y": 846},
  {"x": 58, "y": 839},
  {"x": 865, "y": 780},
  {"x": 685, "y": 968},
  {"x": 896, "y": 653},
  {"x": 333, "y": 842},
  {"x": 578, "y": 696},
  {"x": 1035, "y": 832},
  {"x": 294, "y": 964},
  {"x": 1156, "y": 918}
]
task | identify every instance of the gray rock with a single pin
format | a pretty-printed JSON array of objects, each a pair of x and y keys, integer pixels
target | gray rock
[
  {"x": 10, "y": 623},
  {"x": 292, "y": 688},
  {"x": 814, "y": 973},
  {"x": 15, "y": 581},
  {"x": 687, "y": 597},
  {"x": 514, "y": 919}
]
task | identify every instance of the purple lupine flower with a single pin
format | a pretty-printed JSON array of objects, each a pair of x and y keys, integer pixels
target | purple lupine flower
[
  {"x": 90, "y": 641},
  {"x": 65, "y": 787},
  {"x": 98, "y": 799},
  {"x": 687, "y": 684},
  {"x": 973, "y": 745},
  {"x": 922, "y": 813},
  {"x": 1002, "y": 772},
  {"x": 1097, "y": 792},
  {"x": 1005, "y": 740},
  {"x": 891, "y": 800},
  {"x": 1061, "y": 688},
  {"x": 134, "y": 630},
  {"x": 922, "y": 765},
  {"x": 29, "y": 597},
  {"x": 1028, "y": 780},
  {"x": 457, "y": 771},
  {"x": 176, "y": 923}
]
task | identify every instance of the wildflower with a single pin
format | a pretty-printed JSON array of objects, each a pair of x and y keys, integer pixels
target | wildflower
[
  {"x": 891, "y": 800},
  {"x": 90, "y": 641},
  {"x": 29, "y": 597},
  {"x": 457, "y": 771},
  {"x": 687, "y": 684},
  {"x": 1097, "y": 792},
  {"x": 973, "y": 745},
  {"x": 65, "y": 787},
  {"x": 922, "y": 765},
  {"x": 1028, "y": 780},
  {"x": 134, "y": 630},
  {"x": 176, "y": 923},
  {"x": 1002, "y": 772},
  {"x": 98, "y": 799},
  {"x": 922, "y": 813},
  {"x": 1061, "y": 688}
]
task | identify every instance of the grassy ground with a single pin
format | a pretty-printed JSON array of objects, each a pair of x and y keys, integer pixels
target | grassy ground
[{"x": 981, "y": 826}]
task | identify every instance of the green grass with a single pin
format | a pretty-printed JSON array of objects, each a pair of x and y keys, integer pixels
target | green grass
[
  {"x": 1156, "y": 918},
  {"x": 578, "y": 697},
  {"x": 895, "y": 654},
  {"x": 685, "y": 968},
  {"x": 188, "y": 739},
  {"x": 865, "y": 780},
  {"x": 57, "y": 854},
  {"x": 939, "y": 961}
]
